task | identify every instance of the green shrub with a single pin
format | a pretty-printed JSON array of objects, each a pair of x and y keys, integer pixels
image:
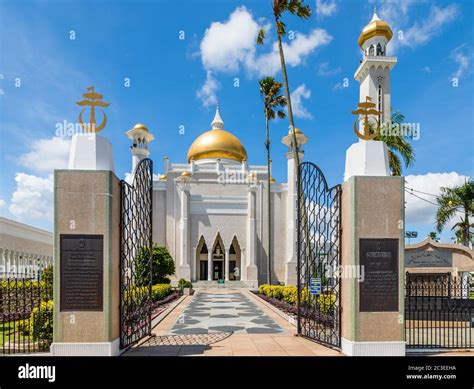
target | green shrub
[
  {"x": 163, "y": 266},
  {"x": 326, "y": 302},
  {"x": 288, "y": 294},
  {"x": 41, "y": 322},
  {"x": 23, "y": 327},
  {"x": 47, "y": 277},
  {"x": 182, "y": 283}
]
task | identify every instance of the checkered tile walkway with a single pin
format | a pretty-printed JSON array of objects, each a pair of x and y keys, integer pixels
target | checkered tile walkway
[{"x": 211, "y": 312}]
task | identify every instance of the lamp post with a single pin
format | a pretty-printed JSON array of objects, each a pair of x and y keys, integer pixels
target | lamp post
[{"x": 411, "y": 234}]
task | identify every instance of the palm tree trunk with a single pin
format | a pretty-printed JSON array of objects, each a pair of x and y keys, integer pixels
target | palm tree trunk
[
  {"x": 288, "y": 98},
  {"x": 303, "y": 216},
  {"x": 267, "y": 145},
  {"x": 465, "y": 232}
]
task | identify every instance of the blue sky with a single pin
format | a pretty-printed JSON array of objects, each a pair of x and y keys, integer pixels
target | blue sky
[{"x": 174, "y": 82}]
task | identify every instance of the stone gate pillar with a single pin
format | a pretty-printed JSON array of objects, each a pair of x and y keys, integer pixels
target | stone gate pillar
[
  {"x": 87, "y": 208},
  {"x": 372, "y": 279},
  {"x": 86, "y": 263}
]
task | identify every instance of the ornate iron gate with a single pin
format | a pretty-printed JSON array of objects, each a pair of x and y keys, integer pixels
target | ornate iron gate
[
  {"x": 319, "y": 256},
  {"x": 439, "y": 311},
  {"x": 136, "y": 255}
]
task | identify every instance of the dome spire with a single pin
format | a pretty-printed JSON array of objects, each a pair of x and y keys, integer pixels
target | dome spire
[{"x": 217, "y": 123}]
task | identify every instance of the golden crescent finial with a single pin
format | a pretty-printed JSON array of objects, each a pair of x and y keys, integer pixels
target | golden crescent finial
[{"x": 92, "y": 99}]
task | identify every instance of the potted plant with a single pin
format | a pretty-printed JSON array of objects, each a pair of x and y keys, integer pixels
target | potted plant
[{"x": 185, "y": 286}]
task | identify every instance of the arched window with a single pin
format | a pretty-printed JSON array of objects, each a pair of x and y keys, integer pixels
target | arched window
[
  {"x": 371, "y": 50},
  {"x": 379, "y": 49}
]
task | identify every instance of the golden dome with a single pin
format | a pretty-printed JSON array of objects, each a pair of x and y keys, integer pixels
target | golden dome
[
  {"x": 217, "y": 143},
  {"x": 376, "y": 27},
  {"x": 186, "y": 174},
  {"x": 140, "y": 126}
]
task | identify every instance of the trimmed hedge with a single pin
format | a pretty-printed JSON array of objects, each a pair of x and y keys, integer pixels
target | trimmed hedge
[
  {"x": 160, "y": 291},
  {"x": 289, "y": 294}
]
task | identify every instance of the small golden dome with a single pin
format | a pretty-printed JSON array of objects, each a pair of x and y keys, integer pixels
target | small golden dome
[
  {"x": 376, "y": 27},
  {"x": 272, "y": 180},
  {"x": 163, "y": 177},
  {"x": 186, "y": 174},
  {"x": 140, "y": 126}
]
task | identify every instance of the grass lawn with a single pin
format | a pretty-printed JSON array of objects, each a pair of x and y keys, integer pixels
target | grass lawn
[{"x": 9, "y": 332}]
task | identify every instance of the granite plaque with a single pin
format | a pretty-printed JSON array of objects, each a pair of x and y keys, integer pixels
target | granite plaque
[
  {"x": 378, "y": 292},
  {"x": 81, "y": 274}
]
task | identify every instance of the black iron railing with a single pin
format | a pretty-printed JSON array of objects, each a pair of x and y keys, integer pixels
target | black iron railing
[
  {"x": 26, "y": 314},
  {"x": 439, "y": 311}
]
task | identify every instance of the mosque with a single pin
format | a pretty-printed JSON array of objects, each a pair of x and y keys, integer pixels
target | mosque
[{"x": 211, "y": 211}]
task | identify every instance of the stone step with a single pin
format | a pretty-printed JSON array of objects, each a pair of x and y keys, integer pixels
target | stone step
[{"x": 214, "y": 284}]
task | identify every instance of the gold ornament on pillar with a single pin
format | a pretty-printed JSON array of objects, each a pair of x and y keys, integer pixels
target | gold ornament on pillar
[
  {"x": 367, "y": 108},
  {"x": 92, "y": 100}
]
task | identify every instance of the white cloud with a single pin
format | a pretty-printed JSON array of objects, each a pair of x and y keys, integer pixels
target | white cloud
[
  {"x": 325, "y": 70},
  {"x": 230, "y": 46},
  {"x": 422, "y": 212},
  {"x": 422, "y": 32},
  {"x": 2, "y": 203},
  {"x": 45, "y": 155},
  {"x": 32, "y": 199},
  {"x": 462, "y": 57},
  {"x": 425, "y": 28},
  {"x": 325, "y": 8},
  {"x": 226, "y": 45},
  {"x": 297, "y": 96},
  {"x": 207, "y": 93},
  {"x": 295, "y": 53}
]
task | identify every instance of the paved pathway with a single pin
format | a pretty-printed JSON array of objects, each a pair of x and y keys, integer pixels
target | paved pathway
[
  {"x": 224, "y": 312},
  {"x": 225, "y": 323}
]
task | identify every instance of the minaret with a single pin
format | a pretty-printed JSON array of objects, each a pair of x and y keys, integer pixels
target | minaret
[
  {"x": 140, "y": 136},
  {"x": 373, "y": 72},
  {"x": 291, "y": 215}
]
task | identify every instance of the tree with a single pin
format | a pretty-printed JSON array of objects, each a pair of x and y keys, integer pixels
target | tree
[
  {"x": 162, "y": 266},
  {"x": 272, "y": 101},
  {"x": 398, "y": 146},
  {"x": 433, "y": 236},
  {"x": 294, "y": 7},
  {"x": 459, "y": 199}
]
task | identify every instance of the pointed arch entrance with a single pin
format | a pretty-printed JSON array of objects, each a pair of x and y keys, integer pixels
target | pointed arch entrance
[
  {"x": 218, "y": 261},
  {"x": 202, "y": 260}
]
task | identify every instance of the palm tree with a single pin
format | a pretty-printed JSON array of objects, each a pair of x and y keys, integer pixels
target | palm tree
[
  {"x": 272, "y": 101},
  {"x": 294, "y": 7},
  {"x": 457, "y": 199},
  {"x": 433, "y": 235},
  {"x": 398, "y": 146}
]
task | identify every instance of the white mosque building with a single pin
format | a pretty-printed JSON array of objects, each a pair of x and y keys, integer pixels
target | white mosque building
[{"x": 211, "y": 211}]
